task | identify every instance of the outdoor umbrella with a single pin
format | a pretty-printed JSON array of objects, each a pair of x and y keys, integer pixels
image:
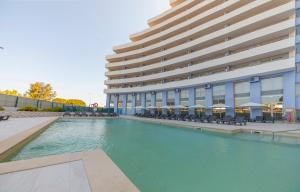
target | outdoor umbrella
[
  {"x": 151, "y": 107},
  {"x": 180, "y": 107},
  {"x": 252, "y": 105},
  {"x": 166, "y": 107},
  {"x": 219, "y": 106},
  {"x": 140, "y": 107},
  {"x": 197, "y": 106}
]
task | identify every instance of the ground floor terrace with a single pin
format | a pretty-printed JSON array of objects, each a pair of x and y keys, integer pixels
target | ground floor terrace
[{"x": 275, "y": 95}]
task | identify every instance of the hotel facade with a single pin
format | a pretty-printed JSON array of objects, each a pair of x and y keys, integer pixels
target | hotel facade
[{"x": 208, "y": 52}]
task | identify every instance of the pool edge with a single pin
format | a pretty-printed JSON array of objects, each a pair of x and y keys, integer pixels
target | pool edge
[
  {"x": 229, "y": 129},
  {"x": 11, "y": 145},
  {"x": 103, "y": 176}
]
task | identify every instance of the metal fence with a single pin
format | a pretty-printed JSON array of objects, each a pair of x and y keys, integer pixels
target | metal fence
[{"x": 18, "y": 102}]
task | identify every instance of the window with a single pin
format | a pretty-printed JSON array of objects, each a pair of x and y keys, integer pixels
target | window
[
  {"x": 171, "y": 98},
  {"x": 241, "y": 88},
  {"x": 138, "y": 101},
  {"x": 297, "y": 48},
  {"x": 298, "y": 29},
  {"x": 200, "y": 92},
  {"x": 184, "y": 97},
  {"x": 298, "y": 89},
  {"x": 120, "y": 102},
  {"x": 184, "y": 94},
  {"x": 159, "y": 96},
  {"x": 297, "y": 12},
  {"x": 298, "y": 67},
  {"x": 129, "y": 101},
  {"x": 272, "y": 84},
  {"x": 112, "y": 101},
  {"x": 148, "y": 99},
  {"x": 219, "y": 90},
  {"x": 219, "y": 94},
  {"x": 241, "y": 93},
  {"x": 158, "y": 99},
  {"x": 272, "y": 97},
  {"x": 171, "y": 95},
  {"x": 200, "y": 96}
]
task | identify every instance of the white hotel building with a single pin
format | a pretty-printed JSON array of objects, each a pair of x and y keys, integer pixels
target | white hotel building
[{"x": 207, "y": 52}]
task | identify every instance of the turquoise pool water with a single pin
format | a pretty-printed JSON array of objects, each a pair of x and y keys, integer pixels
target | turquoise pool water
[{"x": 159, "y": 158}]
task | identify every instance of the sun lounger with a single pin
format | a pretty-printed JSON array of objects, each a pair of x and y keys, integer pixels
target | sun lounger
[
  {"x": 269, "y": 119},
  {"x": 240, "y": 120},
  {"x": 259, "y": 119},
  {"x": 4, "y": 118},
  {"x": 67, "y": 114},
  {"x": 77, "y": 114},
  {"x": 227, "y": 119}
]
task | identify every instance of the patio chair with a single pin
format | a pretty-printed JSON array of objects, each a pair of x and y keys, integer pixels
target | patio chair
[
  {"x": 259, "y": 119},
  {"x": 84, "y": 114},
  {"x": 210, "y": 119},
  {"x": 67, "y": 114},
  {"x": 173, "y": 117},
  {"x": 269, "y": 119},
  {"x": 4, "y": 118},
  {"x": 191, "y": 118},
  {"x": 77, "y": 114},
  {"x": 203, "y": 118},
  {"x": 241, "y": 120},
  {"x": 227, "y": 119},
  {"x": 93, "y": 114}
]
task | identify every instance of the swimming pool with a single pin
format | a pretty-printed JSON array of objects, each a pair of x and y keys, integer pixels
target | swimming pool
[{"x": 164, "y": 158}]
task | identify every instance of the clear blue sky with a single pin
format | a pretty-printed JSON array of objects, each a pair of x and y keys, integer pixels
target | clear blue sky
[{"x": 64, "y": 42}]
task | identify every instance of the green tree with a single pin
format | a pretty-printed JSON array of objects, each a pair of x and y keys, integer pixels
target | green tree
[
  {"x": 60, "y": 100},
  {"x": 11, "y": 92},
  {"x": 76, "y": 102},
  {"x": 42, "y": 91}
]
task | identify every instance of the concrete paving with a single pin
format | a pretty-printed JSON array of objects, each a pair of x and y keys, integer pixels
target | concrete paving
[
  {"x": 14, "y": 126},
  {"x": 287, "y": 129},
  {"x": 65, "y": 177},
  {"x": 73, "y": 172}
]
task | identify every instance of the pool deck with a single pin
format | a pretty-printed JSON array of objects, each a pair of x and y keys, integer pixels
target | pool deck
[
  {"x": 17, "y": 125},
  {"x": 91, "y": 171},
  {"x": 279, "y": 129}
]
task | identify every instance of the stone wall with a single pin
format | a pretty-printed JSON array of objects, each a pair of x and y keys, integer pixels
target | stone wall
[{"x": 20, "y": 114}]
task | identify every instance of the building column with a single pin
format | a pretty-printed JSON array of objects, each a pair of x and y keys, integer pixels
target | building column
[
  {"x": 208, "y": 100},
  {"x": 107, "y": 101},
  {"x": 143, "y": 102},
  {"x": 255, "y": 97},
  {"x": 124, "y": 105},
  {"x": 289, "y": 93},
  {"x": 133, "y": 109},
  {"x": 177, "y": 101},
  {"x": 153, "y": 102},
  {"x": 164, "y": 101},
  {"x": 229, "y": 99},
  {"x": 191, "y": 100},
  {"x": 116, "y": 100}
]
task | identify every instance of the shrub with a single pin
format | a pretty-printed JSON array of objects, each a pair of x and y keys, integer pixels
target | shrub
[
  {"x": 55, "y": 109},
  {"x": 1, "y": 108},
  {"x": 28, "y": 108}
]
